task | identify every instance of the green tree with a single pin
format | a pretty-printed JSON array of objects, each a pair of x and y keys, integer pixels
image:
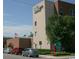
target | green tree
[
  {"x": 31, "y": 34},
  {"x": 61, "y": 29}
]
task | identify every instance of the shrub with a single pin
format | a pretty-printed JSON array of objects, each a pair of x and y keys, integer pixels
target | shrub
[
  {"x": 47, "y": 52},
  {"x": 62, "y": 53},
  {"x": 43, "y": 51}
]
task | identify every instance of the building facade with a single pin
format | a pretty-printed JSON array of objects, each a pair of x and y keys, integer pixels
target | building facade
[
  {"x": 19, "y": 42},
  {"x": 5, "y": 41},
  {"x": 41, "y": 12}
]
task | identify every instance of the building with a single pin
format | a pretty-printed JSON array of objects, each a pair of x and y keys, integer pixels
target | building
[
  {"x": 41, "y": 12},
  {"x": 19, "y": 42},
  {"x": 5, "y": 41}
]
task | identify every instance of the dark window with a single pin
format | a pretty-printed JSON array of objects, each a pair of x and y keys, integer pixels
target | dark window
[
  {"x": 35, "y": 33},
  {"x": 26, "y": 49},
  {"x": 35, "y": 23},
  {"x": 40, "y": 42},
  {"x": 35, "y": 45},
  {"x": 71, "y": 12},
  {"x": 61, "y": 11}
]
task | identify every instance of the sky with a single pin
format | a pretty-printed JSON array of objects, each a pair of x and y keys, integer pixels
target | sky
[{"x": 17, "y": 16}]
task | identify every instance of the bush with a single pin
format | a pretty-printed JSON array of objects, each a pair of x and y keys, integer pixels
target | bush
[
  {"x": 62, "y": 53},
  {"x": 43, "y": 51},
  {"x": 47, "y": 52}
]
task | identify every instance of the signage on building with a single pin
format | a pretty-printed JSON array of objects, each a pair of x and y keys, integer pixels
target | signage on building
[{"x": 38, "y": 9}]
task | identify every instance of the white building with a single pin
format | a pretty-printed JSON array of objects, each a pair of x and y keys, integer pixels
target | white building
[{"x": 41, "y": 12}]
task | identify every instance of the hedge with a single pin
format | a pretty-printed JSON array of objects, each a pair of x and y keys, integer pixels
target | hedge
[
  {"x": 47, "y": 52},
  {"x": 43, "y": 51}
]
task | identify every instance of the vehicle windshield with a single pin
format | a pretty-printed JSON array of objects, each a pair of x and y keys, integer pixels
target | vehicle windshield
[{"x": 27, "y": 49}]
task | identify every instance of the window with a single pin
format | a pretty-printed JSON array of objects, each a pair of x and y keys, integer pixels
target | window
[
  {"x": 35, "y": 45},
  {"x": 40, "y": 42},
  {"x": 71, "y": 12},
  {"x": 26, "y": 49},
  {"x": 35, "y": 33},
  {"x": 35, "y": 23},
  {"x": 61, "y": 11}
]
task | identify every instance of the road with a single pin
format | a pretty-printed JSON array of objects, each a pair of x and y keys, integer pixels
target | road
[{"x": 9, "y": 56}]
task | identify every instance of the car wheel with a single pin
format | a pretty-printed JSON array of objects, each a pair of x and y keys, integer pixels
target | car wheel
[
  {"x": 28, "y": 55},
  {"x": 15, "y": 53},
  {"x": 37, "y": 56},
  {"x": 22, "y": 55}
]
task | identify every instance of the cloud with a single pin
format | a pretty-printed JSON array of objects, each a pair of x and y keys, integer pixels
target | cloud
[{"x": 21, "y": 30}]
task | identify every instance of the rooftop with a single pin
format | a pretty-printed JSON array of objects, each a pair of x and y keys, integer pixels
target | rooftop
[{"x": 54, "y": 1}]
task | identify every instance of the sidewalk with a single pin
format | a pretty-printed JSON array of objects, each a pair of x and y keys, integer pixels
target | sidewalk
[{"x": 59, "y": 57}]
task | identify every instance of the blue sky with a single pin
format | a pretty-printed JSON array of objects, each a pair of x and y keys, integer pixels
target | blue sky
[{"x": 17, "y": 16}]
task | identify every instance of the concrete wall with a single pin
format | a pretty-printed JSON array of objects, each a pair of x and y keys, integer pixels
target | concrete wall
[{"x": 40, "y": 28}]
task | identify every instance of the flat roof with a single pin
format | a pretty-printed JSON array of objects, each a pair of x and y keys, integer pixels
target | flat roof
[{"x": 54, "y": 2}]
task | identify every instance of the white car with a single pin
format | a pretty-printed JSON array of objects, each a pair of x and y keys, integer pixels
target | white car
[
  {"x": 7, "y": 50},
  {"x": 30, "y": 52}
]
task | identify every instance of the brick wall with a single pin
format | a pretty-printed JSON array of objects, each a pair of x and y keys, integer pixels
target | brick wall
[{"x": 19, "y": 42}]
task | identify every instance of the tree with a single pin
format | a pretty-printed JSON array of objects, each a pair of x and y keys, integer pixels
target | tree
[
  {"x": 10, "y": 45},
  {"x": 31, "y": 34},
  {"x": 61, "y": 29}
]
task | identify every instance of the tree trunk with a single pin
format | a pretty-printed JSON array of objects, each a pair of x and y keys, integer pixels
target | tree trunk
[{"x": 52, "y": 49}]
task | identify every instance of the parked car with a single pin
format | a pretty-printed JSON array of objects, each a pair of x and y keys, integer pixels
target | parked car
[
  {"x": 17, "y": 51},
  {"x": 7, "y": 50},
  {"x": 29, "y": 52}
]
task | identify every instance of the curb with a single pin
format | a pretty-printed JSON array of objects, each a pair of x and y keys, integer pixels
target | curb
[{"x": 47, "y": 56}]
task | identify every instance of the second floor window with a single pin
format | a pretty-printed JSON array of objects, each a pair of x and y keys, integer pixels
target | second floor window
[
  {"x": 35, "y": 23},
  {"x": 35, "y": 33},
  {"x": 61, "y": 11},
  {"x": 40, "y": 42},
  {"x": 71, "y": 12}
]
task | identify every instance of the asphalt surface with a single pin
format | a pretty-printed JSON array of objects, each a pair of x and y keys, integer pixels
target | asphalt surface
[{"x": 9, "y": 56}]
